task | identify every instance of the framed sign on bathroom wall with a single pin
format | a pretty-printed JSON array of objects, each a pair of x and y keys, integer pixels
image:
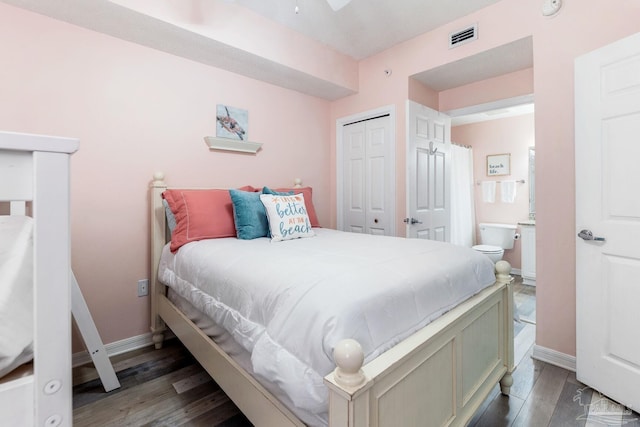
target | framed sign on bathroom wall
[{"x": 498, "y": 164}]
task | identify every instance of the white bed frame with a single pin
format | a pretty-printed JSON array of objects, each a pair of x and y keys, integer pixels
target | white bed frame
[
  {"x": 35, "y": 169},
  {"x": 438, "y": 376}
]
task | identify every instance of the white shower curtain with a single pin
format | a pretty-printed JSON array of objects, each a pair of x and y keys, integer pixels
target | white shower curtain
[{"x": 463, "y": 217}]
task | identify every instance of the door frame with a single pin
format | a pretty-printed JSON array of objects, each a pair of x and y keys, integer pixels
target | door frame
[
  {"x": 365, "y": 115},
  {"x": 498, "y": 104}
]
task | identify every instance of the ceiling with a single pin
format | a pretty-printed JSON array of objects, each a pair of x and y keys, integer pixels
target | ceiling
[
  {"x": 361, "y": 29},
  {"x": 364, "y": 27}
]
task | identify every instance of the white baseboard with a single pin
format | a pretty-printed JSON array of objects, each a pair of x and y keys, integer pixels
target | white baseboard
[
  {"x": 554, "y": 357},
  {"x": 115, "y": 348},
  {"x": 516, "y": 271}
]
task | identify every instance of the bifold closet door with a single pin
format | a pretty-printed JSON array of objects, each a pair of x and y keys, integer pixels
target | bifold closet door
[{"x": 367, "y": 176}]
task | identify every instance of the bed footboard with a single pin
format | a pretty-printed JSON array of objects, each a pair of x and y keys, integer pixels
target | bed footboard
[{"x": 438, "y": 376}]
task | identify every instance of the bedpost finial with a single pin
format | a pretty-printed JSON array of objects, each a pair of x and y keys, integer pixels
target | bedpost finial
[
  {"x": 297, "y": 183},
  {"x": 158, "y": 178},
  {"x": 349, "y": 357},
  {"x": 503, "y": 270}
]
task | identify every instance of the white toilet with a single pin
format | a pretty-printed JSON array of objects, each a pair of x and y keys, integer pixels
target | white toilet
[{"x": 494, "y": 239}]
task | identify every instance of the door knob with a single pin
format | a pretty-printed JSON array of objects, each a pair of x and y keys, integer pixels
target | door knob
[
  {"x": 588, "y": 235},
  {"x": 412, "y": 221}
]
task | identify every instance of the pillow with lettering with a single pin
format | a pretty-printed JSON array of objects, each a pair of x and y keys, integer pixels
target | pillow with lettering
[
  {"x": 308, "y": 200},
  {"x": 287, "y": 215}
]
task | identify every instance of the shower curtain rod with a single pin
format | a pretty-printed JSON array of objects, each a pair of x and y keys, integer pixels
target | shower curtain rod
[{"x": 463, "y": 146}]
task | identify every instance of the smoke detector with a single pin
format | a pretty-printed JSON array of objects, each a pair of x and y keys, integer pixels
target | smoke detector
[{"x": 551, "y": 7}]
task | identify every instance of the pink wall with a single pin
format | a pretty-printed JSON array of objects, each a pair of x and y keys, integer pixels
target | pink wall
[
  {"x": 422, "y": 94},
  {"x": 513, "y": 135},
  {"x": 507, "y": 86},
  {"x": 137, "y": 111},
  {"x": 578, "y": 28}
]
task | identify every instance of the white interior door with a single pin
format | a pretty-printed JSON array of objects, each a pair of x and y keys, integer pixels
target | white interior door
[
  {"x": 428, "y": 174},
  {"x": 368, "y": 176},
  {"x": 354, "y": 178},
  {"x": 607, "y": 83}
]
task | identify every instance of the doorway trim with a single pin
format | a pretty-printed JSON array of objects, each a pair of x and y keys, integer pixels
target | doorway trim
[{"x": 365, "y": 115}]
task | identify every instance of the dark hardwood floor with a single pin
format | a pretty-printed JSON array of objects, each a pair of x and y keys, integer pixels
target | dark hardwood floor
[
  {"x": 164, "y": 387},
  {"x": 168, "y": 387}
]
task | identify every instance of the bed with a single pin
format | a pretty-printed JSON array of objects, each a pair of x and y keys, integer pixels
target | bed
[
  {"x": 435, "y": 370},
  {"x": 35, "y": 388}
]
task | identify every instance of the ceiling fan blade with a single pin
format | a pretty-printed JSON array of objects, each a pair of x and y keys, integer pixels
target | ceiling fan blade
[{"x": 337, "y": 4}]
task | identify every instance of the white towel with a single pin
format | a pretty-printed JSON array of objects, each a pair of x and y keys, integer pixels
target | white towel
[
  {"x": 488, "y": 191},
  {"x": 508, "y": 191}
]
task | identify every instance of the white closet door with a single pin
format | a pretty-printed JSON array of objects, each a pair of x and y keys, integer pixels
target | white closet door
[
  {"x": 355, "y": 181},
  {"x": 368, "y": 177}
]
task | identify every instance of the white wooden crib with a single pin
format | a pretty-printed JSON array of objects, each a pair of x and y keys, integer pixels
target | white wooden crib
[{"x": 34, "y": 177}]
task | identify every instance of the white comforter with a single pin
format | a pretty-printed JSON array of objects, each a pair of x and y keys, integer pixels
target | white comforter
[
  {"x": 16, "y": 292},
  {"x": 288, "y": 303}
]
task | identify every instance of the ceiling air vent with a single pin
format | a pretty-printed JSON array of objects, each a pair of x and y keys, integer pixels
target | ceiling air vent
[{"x": 463, "y": 36}]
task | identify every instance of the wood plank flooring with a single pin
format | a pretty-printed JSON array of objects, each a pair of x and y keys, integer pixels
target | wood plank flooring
[
  {"x": 164, "y": 387},
  {"x": 168, "y": 387},
  {"x": 544, "y": 394}
]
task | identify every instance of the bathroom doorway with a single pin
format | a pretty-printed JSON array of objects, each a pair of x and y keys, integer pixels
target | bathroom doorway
[{"x": 506, "y": 128}]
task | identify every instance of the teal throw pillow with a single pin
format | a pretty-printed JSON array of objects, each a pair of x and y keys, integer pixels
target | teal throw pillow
[
  {"x": 249, "y": 215},
  {"x": 267, "y": 190}
]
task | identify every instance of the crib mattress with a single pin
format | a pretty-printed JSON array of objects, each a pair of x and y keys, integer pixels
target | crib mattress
[
  {"x": 288, "y": 303},
  {"x": 16, "y": 292}
]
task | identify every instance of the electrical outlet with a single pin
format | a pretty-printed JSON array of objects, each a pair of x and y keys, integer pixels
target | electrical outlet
[{"x": 143, "y": 287}]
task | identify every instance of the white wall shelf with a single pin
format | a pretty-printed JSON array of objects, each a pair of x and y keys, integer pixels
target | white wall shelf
[{"x": 232, "y": 145}]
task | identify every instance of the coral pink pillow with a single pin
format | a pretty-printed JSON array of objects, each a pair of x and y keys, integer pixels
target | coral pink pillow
[
  {"x": 200, "y": 214},
  {"x": 308, "y": 201}
]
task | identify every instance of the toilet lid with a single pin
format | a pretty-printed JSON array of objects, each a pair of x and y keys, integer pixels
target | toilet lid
[{"x": 488, "y": 249}]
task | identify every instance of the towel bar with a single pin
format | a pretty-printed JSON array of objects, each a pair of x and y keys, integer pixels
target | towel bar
[{"x": 520, "y": 181}]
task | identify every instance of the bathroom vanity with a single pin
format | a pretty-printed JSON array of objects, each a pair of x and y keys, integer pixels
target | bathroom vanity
[
  {"x": 528, "y": 228},
  {"x": 528, "y": 251}
]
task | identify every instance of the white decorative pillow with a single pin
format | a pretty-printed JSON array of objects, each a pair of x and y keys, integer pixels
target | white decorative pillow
[{"x": 287, "y": 215}]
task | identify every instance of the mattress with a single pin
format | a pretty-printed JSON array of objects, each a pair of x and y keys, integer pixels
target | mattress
[
  {"x": 16, "y": 292},
  {"x": 287, "y": 304}
]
